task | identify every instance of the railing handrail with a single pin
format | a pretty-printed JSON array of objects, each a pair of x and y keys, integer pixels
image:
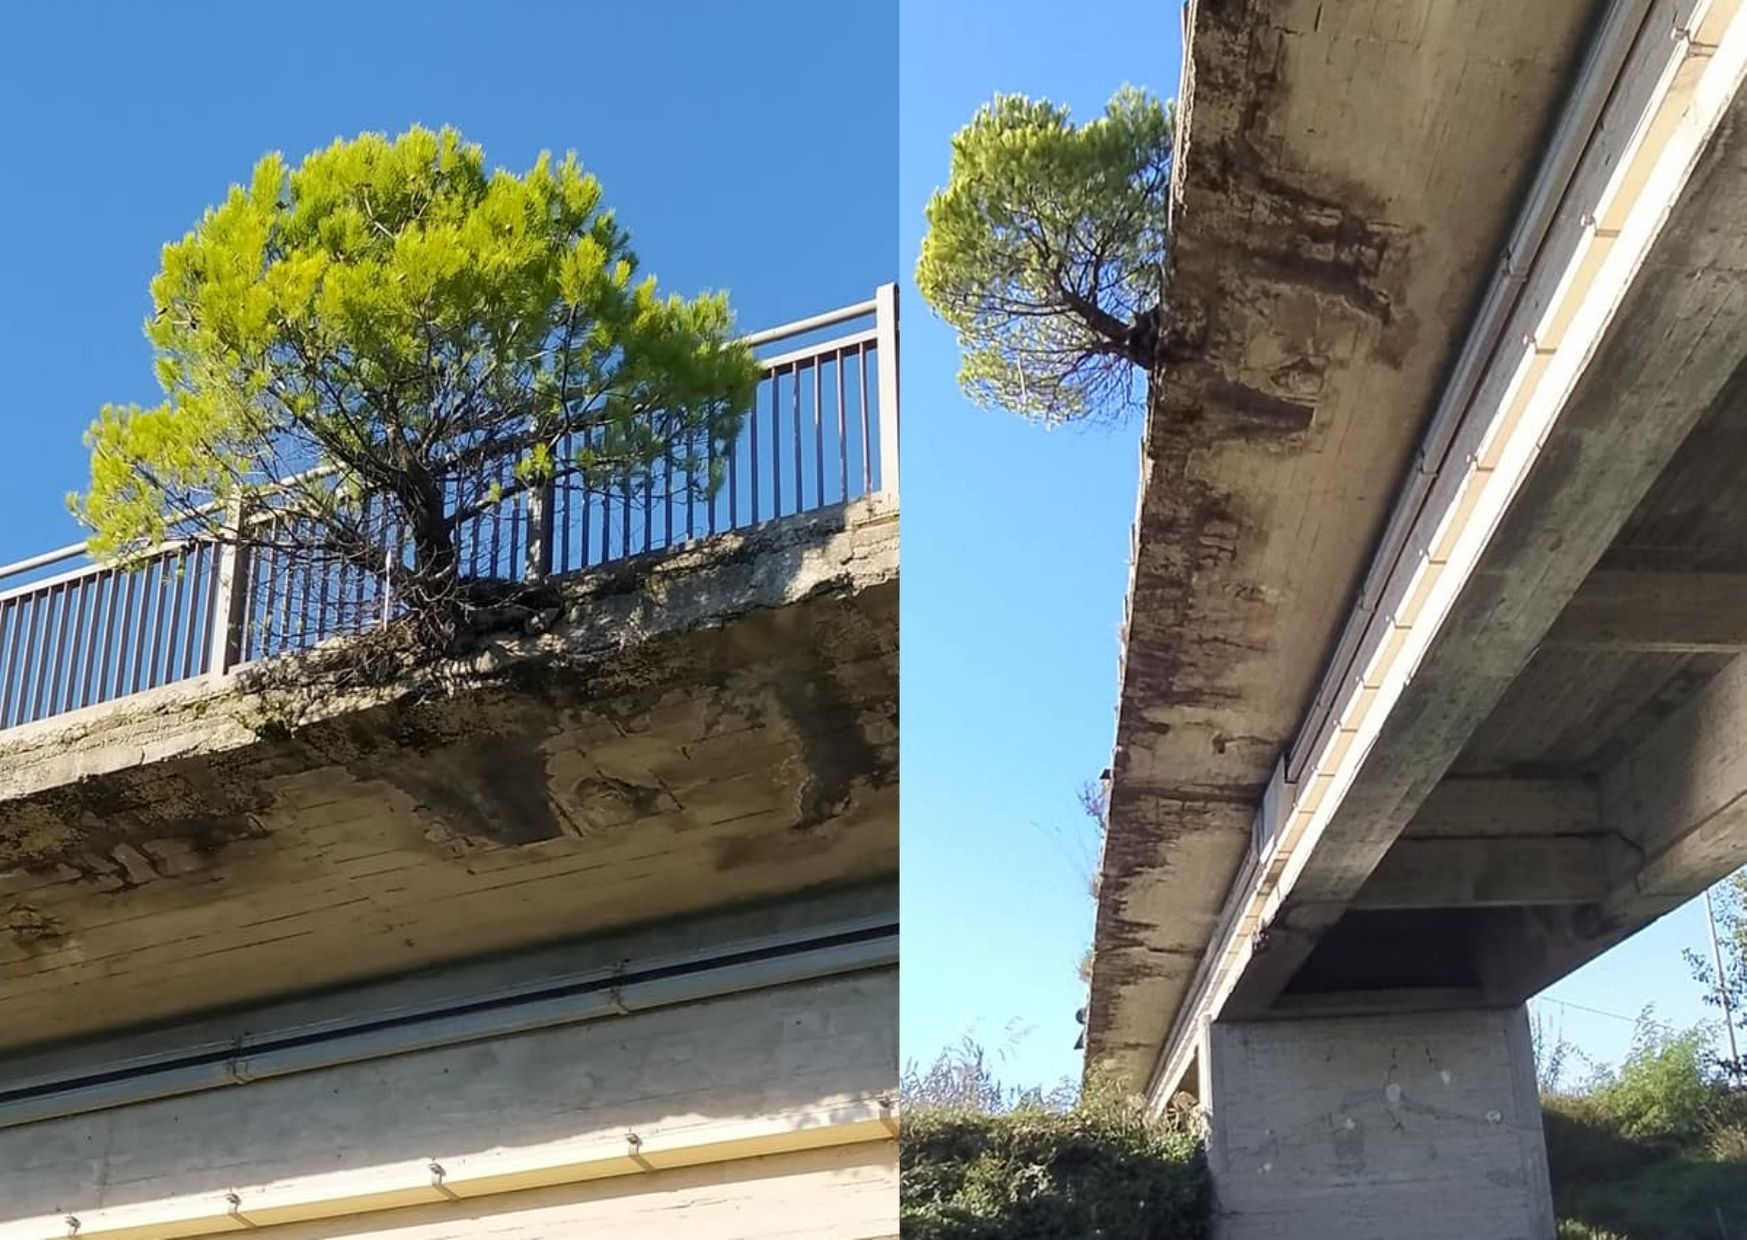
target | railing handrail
[{"x": 769, "y": 335}]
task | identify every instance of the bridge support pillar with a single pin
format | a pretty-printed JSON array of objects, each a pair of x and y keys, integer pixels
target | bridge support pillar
[{"x": 1377, "y": 1127}]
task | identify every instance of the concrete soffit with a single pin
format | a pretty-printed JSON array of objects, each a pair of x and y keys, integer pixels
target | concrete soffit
[{"x": 1656, "y": 86}]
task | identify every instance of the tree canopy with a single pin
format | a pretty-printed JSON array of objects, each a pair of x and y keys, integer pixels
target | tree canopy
[
  {"x": 391, "y": 321},
  {"x": 1045, "y": 252}
]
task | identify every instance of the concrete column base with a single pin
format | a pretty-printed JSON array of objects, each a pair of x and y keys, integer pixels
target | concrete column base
[{"x": 1377, "y": 1128}]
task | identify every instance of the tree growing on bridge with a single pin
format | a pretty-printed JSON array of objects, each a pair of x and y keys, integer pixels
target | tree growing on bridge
[
  {"x": 390, "y": 340},
  {"x": 1045, "y": 252}
]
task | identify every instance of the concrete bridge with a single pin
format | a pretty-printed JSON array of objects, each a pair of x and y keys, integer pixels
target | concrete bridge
[
  {"x": 1431, "y": 688},
  {"x": 592, "y": 931}
]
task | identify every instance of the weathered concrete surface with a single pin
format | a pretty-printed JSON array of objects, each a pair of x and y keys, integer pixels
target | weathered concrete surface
[
  {"x": 831, "y": 1194},
  {"x": 1375, "y": 1128},
  {"x": 675, "y": 1076},
  {"x": 702, "y": 728},
  {"x": 1629, "y": 473},
  {"x": 1346, "y": 177}
]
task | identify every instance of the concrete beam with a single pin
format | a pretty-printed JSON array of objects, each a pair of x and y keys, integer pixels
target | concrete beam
[
  {"x": 1478, "y": 872},
  {"x": 1681, "y": 798},
  {"x": 1656, "y": 611},
  {"x": 1486, "y": 842},
  {"x": 1508, "y": 807}
]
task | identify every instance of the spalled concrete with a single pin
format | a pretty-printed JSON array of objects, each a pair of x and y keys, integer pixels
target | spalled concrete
[{"x": 689, "y": 731}]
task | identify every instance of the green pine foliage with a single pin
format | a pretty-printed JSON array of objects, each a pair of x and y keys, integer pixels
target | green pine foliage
[
  {"x": 403, "y": 321},
  {"x": 1045, "y": 252}
]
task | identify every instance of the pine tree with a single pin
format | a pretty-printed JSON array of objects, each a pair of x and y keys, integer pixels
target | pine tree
[{"x": 387, "y": 341}]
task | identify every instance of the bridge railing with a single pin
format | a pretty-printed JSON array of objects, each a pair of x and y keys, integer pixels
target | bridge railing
[{"x": 75, "y": 632}]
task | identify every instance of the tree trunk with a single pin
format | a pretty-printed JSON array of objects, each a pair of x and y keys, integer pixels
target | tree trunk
[{"x": 432, "y": 600}]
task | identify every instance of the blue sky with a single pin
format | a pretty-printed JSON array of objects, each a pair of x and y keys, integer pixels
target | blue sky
[
  {"x": 1015, "y": 565},
  {"x": 763, "y": 165}
]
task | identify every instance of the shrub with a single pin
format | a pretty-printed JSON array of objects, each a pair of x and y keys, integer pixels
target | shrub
[{"x": 1663, "y": 1091}]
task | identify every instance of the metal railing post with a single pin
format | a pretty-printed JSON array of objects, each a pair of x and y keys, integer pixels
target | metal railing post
[
  {"x": 231, "y": 596},
  {"x": 886, "y": 324}
]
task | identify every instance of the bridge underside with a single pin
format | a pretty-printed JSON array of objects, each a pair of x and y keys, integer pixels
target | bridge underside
[
  {"x": 1346, "y": 178},
  {"x": 713, "y": 727},
  {"x": 1560, "y": 766},
  {"x": 1378, "y": 781}
]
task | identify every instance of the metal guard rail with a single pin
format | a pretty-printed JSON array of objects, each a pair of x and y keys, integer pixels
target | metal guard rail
[{"x": 823, "y": 431}]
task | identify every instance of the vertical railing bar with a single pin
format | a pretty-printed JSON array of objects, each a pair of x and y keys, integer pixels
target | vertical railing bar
[
  {"x": 99, "y": 591},
  {"x": 625, "y": 516},
  {"x": 112, "y": 596},
  {"x": 751, "y": 467},
  {"x": 800, "y": 469},
  {"x": 360, "y": 584},
  {"x": 476, "y": 526},
  {"x": 45, "y": 667},
  {"x": 9, "y": 648},
  {"x": 496, "y": 523},
  {"x": 202, "y": 658},
  {"x": 842, "y": 435},
  {"x": 201, "y": 555},
  {"x": 561, "y": 494},
  {"x": 74, "y": 685},
  {"x": 606, "y": 523},
  {"x": 322, "y": 600},
  {"x": 287, "y": 586},
  {"x": 692, "y": 493},
  {"x": 32, "y": 670},
  {"x": 23, "y": 647},
  {"x": 172, "y": 670},
  {"x": 866, "y": 425},
  {"x": 154, "y": 648},
  {"x": 65, "y": 661},
  {"x": 819, "y": 428},
  {"x": 886, "y": 318},
  {"x": 12, "y": 688},
  {"x": 776, "y": 449},
  {"x": 710, "y": 477},
  {"x": 270, "y": 590},
  {"x": 305, "y": 638},
  {"x": 667, "y": 495},
  {"x": 124, "y": 632},
  {"x": 649, "y": 506},
  {"x": 583, "y": 489},
  {"x": 30, "y": 673},
  {"x": 144, "y": 635}
]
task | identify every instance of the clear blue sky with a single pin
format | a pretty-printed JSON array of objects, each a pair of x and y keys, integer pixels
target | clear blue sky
[
  {"x": 752, "y": 148},
  {"x": 1015, "y": 566}
]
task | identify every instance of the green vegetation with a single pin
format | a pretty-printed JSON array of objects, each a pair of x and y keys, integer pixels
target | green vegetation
[
  {"x": 1046, "y": 252},
  {"x": 979, "y": 1162},
  {"x": 393, "y": 319},
  {"x": 1654, "y": 1151}
]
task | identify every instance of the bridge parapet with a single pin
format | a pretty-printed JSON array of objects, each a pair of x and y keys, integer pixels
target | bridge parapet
[{"x": 76, "y": 632}]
